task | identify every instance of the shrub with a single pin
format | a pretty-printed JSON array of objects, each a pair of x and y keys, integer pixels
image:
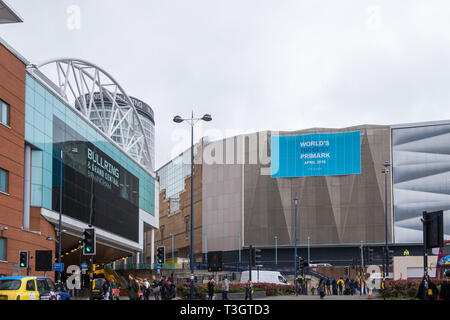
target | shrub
[
  {"x": 405, "y": 288},
  {"x": 201, "y": 289}
]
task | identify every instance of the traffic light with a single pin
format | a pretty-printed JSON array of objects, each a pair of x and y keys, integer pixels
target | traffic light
[
  {"x": 255, "y": 257},
  {"x": 89, "y": 243},
  {"x": 347, "y": 271},
  {"x": 258, "y": 256},
  {"x": 160, "y": 255},
  {"x": 23, "y": 259},
  {"x": 215, "y": 261},
  {"x": 369, "y": 256},
  {"x": 390, "y": 257}
]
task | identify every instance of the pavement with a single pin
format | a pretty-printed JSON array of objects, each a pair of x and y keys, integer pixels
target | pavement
[
  {"x": 316, "y": 297},
  {"x": 290, "y": 297}
]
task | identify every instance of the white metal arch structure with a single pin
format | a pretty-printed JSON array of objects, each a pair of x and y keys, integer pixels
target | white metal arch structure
[{"x": 97, "y": 95}]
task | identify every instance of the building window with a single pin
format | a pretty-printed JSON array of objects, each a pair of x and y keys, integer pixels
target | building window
[
  {"x": 4, "y": 113},
  {"x": 3, "y": 249},
  {"x": 3, "y": 181}
]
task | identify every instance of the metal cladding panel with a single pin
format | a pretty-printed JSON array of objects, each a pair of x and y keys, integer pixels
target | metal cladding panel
[{"x": 421, "y": 178}]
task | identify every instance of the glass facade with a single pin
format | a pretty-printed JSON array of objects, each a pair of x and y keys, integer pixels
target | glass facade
[
  {"x": 421, "y": 178},
  {"x": 41, "y": 108},
  {"x": 96, "y": 189},
  {"x": 172, "y": 178}
]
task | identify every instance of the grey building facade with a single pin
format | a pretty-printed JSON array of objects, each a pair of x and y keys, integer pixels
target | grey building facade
[
  {"x": 421, "y": 177},
  {"x": 243, "y": 204}
]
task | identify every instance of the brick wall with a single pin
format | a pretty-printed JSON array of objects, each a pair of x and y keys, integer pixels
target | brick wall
[
  {"x": 175, "y": 223},
  {"x": 12, "y": 144}
]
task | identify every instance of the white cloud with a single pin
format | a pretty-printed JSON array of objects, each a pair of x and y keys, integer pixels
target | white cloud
[{"x": 281, "y": 65}]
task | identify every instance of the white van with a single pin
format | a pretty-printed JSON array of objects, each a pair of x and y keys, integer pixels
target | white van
[{"x": 264, "y": 276}]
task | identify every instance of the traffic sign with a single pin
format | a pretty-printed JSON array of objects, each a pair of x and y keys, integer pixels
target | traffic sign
[
  {"x": 58, "y": 267},
  {"x": 84, "y": 265},
  {"x": 158, "y": 267}
]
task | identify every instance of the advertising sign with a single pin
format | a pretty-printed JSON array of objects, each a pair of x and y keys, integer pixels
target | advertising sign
[{"x": 318, "y": 154}]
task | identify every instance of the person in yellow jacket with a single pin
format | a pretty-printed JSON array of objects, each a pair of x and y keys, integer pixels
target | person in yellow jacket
[{"x": 340, "y": 284}]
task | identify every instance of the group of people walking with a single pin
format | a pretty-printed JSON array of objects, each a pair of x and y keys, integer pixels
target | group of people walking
[
  {"x": 141, "y": 289},
  {"x": 328, "y": 287}
]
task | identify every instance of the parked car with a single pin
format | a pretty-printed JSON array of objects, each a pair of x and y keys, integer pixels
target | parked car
[
  {"x": 263, "y": 276},
  {"x": 30, "y": 288}
]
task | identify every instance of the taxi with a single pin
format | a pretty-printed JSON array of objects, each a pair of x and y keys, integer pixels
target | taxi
[{"x": 26, "y": 288}]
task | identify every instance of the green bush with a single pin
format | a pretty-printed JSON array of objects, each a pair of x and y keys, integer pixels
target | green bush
[
  {"x": 201, "y": 289},
  {"x": 404, "y": 288}
]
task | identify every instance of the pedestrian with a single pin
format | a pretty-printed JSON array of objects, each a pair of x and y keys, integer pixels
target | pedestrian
[
  {"x": 211, "y": 288},
  {"x": 340, "y": 284},
  {"x": 141, "y": 290},
  {"x": 106, "y": 287},
  {"x": 347, "y": 287},
  {"x": 171, "y": 292},
  {"x": 444, "y": 294},
  {"x": 249, "y": 290},
  {"x": 329, "y": 282},
  {"x": 146, "y": 289},
  {"x": 225, "y": 288},
  {"x": 164, "y": 288},
  {"x": 335, "y": 290},
  {"x": 133, "y": 288},
  {"x": 322, "y": 288},
  {"x": 430, "y": 293},
  {"x": 156, "y": 287}
]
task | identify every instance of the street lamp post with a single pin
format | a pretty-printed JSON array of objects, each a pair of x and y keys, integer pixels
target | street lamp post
[
  {"x": 192, "y": 121},
  {"x": 173, "y": 258},
  {"x": 386, "y": 249},
  {"x": 295, "y": 240},
  {"x": 309, "y": 251},
  {"x": 239, "y": 248},
  {"x": 276, "y": 251},
  {"x": 73, "y": 151},
  {"x": 206, "y": 246}
]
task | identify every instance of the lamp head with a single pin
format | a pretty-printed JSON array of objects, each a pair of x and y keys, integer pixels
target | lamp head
[
  {"x": 207, "y": 117},
  {"x": 177, "y": 119}
]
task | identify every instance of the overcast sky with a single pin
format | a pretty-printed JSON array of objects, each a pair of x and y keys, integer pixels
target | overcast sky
[{"x": 254, "y": 64}]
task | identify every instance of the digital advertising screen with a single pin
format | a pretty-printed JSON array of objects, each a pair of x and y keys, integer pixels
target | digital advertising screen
[{"x": 318, "y": 154}]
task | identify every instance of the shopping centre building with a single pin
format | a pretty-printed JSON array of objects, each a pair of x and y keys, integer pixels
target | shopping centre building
[
  {"x": 72, "y": 140},
  {"x": 246, "y": 187}
]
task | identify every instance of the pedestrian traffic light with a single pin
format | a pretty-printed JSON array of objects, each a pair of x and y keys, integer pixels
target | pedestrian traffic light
[
  {"x": 160, "y": 255},
  {"x": 23, "y": 259},
  {"x": 347, "y": 271},
  {"x": 89, "y": 242}
]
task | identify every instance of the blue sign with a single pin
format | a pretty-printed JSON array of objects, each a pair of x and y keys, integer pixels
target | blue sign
[
  {"x": 158, "y": 267},
  {"x": 58, "y": 267},
  {"x": 318, "y": 154},
  {"x": 84, "y": 265},
  {"x": 444, "y": 261}
]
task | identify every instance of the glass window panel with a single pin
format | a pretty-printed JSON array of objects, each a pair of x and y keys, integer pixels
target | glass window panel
[
  {"x": 3, "y": 249},
  {"x": 3, "y": 180}
]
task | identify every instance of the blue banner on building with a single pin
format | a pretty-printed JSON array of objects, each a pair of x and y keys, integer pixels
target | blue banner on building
[{"x": 318, "y": 154}]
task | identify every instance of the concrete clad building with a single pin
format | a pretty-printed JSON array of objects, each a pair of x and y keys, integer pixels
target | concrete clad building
[{"x": 340, "y": 207}]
